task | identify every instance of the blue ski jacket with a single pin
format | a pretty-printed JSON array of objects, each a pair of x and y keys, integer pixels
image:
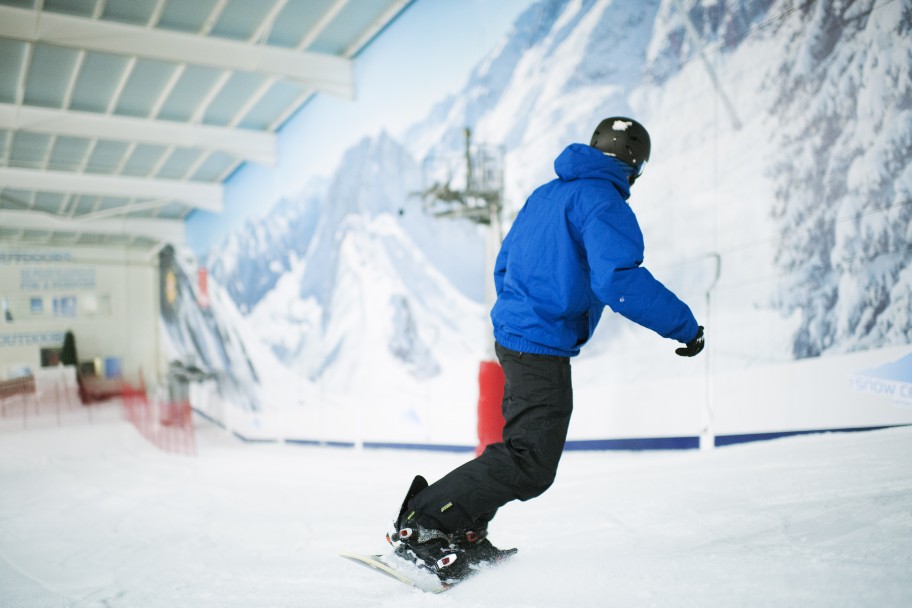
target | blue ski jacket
[{"x": 574, "y": 248}]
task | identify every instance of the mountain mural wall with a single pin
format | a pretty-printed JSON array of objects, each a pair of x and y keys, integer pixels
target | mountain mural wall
[{"x": 776, "y": 203}]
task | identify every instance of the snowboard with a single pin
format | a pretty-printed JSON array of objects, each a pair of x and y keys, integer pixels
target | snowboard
[
  {"x": 400, "y": 570},
  {"x": 413, "y": 576}
]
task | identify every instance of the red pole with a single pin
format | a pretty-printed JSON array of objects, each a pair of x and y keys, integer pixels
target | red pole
[{"x": 490, "y": 396}]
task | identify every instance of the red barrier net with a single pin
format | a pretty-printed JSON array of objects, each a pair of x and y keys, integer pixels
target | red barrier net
[
  {"x": 49, "y": 398},
  {"x": 17, "y": 395},
  {"x": 167, "y": 425},
  {"x": 57, "y": 397}
]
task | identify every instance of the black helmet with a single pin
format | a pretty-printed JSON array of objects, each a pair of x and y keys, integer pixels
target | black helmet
[{"x": 626, "y": 140}]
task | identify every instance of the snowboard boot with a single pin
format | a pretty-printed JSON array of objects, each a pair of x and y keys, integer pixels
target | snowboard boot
[
  {"x": 427, "y": 549},
  {"x": 450, "y": 556}
]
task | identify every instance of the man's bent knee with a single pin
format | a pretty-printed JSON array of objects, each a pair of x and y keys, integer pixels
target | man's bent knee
[{"x": 534, "y": 472}]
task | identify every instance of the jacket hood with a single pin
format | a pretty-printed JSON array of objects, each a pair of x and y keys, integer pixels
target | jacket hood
[{"x": 579, "y": 161}]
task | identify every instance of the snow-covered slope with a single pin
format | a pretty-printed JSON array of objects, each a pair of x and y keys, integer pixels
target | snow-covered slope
[{"x": 94, "y": 517}]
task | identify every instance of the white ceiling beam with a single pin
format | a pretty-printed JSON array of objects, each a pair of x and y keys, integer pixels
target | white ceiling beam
[
  {"x": 321, "y": 24},
  {"x": 305, "y": 42},
  {"x": 251, "y": 145},
  {"x": 130, "y": 208},
  {"x": 171, "y": 231},
  {"x": 327, "y": 73},
  {"x": 23, "y": 72},
  {"x": 374, "y": 28},
  {"x": 195, "y": 194},
  {"x": 365, "y": 37},
  {"x": 166, "y": 90},
  {"x": 261, "y": 33},
  {"x": 214, "y": 16},
  {"x": 155, "y": 17}
]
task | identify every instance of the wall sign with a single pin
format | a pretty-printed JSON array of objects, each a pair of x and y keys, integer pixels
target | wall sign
[
  {"x": 31, "y": 338},
  {"x": 35, "y": 257},
  {"x": 46, "y": 279}
]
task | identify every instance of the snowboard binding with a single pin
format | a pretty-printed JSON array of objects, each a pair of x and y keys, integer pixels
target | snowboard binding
[{"x": 450, "y": 556}]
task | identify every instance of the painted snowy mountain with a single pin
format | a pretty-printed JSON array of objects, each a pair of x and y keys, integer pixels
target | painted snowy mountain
[
  {"x": 812, "y": 102},
  {"x": 209, "y": 337},
  {"x": 563, "y": 67},
  {"x": 372, "y": 314},
  {"x": 781, "y": 148},
  {"x": 252, "y": 260}
]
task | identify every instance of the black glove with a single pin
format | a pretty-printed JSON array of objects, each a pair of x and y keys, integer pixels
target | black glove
[{"x": 693, "y": 347}]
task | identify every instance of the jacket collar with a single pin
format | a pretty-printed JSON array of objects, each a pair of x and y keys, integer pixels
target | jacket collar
[{"x": 579, "y": 161}]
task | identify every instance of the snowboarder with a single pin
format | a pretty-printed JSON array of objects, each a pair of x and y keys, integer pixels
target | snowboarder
[{"x": 574, "y": 248}]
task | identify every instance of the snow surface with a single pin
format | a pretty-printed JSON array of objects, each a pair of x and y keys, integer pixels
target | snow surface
[{"x": 91, "y": 515}]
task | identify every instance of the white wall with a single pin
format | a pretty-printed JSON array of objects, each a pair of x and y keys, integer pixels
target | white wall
[
  {"x": 116, "y": 306},
  {"x": 831, "y": 392}
]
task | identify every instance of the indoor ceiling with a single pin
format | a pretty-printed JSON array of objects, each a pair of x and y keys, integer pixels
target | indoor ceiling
[{"x": 120, "y": 117}]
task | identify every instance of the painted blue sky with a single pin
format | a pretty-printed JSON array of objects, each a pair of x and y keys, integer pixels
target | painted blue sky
[{"x": 426, "y": 54}]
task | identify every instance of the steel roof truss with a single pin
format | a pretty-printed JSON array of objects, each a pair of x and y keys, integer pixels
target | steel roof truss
[
  {"x": 202, "y": 195},
  {"x": 171, "y": 231},
  {"x": 327, "y": 73},
  {"x": 251, "y": 145}
]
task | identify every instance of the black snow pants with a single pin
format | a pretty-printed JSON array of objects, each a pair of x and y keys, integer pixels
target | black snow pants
[{"x": 537, "y": 403}]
